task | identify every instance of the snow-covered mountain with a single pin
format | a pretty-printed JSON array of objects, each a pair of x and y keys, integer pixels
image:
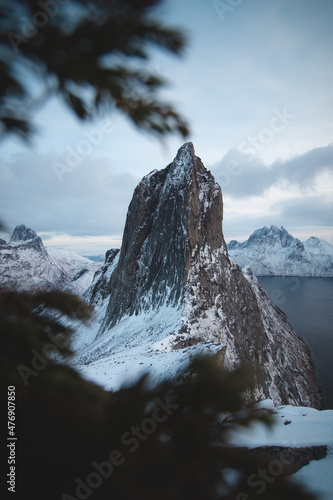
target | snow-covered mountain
[
  {"x": 275, "y": 252},
  {"x": 172, "y": 292},
  {"x": 27, "y": 266},
  {"x": 81, "y": 269}
]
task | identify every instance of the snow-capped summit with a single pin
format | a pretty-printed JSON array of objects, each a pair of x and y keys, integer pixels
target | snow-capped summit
[
  {"x": 267, "y": 237},
  {"x": 318, "y": 246},
  {"x": 275, "y": 252},
  {"x": 27, "y": 266},
  {"x": 271, "y": 236},
  {"x": 172, "y": 288},
  {"x": 22, "y": 234}
]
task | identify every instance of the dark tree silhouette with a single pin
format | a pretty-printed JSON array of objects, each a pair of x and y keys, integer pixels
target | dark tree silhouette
[
  {"x": 92, "y": 53},
  {"x": 78, "y": 441}
]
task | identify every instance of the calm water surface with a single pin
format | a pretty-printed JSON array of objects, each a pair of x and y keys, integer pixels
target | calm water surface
[{"x": 308, "y": 304}]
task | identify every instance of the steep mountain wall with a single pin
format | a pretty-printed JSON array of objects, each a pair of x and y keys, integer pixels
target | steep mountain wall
[{"x": 174, "y": 255}]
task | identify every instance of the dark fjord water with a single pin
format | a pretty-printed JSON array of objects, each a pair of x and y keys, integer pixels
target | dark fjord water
[{"x": 308, "y": 304}]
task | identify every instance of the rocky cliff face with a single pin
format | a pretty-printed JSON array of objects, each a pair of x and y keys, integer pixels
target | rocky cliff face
[
  {"x": 174, "y": 256},
  {"x": 99, "y": 289},
  {"x": 23, "y": 234}
]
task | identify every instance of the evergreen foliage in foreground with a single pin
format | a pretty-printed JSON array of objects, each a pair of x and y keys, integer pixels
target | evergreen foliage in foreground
[
  {"x": 76, "y": 440},
  {"x": 91, "y": 53}
]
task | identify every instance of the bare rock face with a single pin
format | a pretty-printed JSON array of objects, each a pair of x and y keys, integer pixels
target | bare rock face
[
  {"x": 174, "y": 254},
  {"x": 23, "y": 234},
  {"x": 98, "y": 290}
]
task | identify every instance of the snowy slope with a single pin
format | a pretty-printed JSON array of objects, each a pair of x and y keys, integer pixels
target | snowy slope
[
  {"x": 296, "y": 427},
  {"x": 82, "y": 280},
  {"x": 137, "y": 345},
  {"x": 81, "y": 269},
  {"x": 275, "y": 252},
  {"x": 70, "y": 261}
]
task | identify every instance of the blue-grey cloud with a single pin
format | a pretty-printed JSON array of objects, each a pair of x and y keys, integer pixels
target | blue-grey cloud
[
  {"x": 311, "y": 213},
  {"x": 47, "y": 194},
  {"x": 242, "y": 176},
  {"x": 311, "y": 210}
]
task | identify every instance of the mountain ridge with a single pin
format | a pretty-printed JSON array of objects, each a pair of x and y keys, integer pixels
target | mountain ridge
[
  {"x": 275, "y": 252},
  {"x": 27, "y": 266}
]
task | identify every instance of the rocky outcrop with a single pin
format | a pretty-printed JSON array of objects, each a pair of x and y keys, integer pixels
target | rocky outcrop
[
  {"x": 174, "y": 255},
  {"x": 291, "y": 459},
  {"x": 99, "y": 288},
  {"x": 23, "y": 234}
]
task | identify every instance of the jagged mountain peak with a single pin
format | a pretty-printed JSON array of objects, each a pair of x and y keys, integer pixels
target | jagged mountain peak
[
  {"x": 274, "y": 251},
  {"x": 173, "y": 283},
  {"x": 272, "y": 236},
  {"x": 179, "y": 171},
  {"x": 264, "y": 231},
  {"x": 313, "y": 239},
  {"x": 185, "y": 156},
  {"x": 173, "y": 212},
  {"x": 22, "y": 234}
]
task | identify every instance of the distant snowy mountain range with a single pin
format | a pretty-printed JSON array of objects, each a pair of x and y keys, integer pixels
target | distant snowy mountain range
[
  {"x": 275, "y": 252},
  {"x": 27, "y": 266}
]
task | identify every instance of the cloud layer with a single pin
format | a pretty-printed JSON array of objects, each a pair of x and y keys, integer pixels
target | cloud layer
[
  {"x": 244, "y": 176},
  {"x": 295, "y": 193},
  {"x": 90, "y": 199}
]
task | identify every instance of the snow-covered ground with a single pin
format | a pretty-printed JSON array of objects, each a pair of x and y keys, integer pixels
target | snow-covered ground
[
  {"x": 71, "y": 261},
  {"x": 80, "y": 268},
  {"x": 142, "y": 344},
  {"x": 121, "y": 357},
  {"x": 137, "y": 345},
  {"x": 296, "y": 427}
]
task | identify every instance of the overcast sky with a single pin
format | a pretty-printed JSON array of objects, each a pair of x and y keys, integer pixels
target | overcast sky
[{"x": 256, "y": 87}]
